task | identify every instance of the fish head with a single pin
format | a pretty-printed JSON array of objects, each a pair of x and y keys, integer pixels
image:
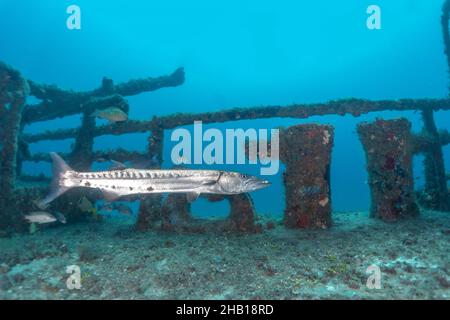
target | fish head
[
  {"x": 60, "y": 217},
  {"x": 234, "y": 183}
]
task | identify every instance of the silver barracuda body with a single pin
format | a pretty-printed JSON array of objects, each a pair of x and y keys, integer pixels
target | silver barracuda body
[{"x": 118, "y": 183}]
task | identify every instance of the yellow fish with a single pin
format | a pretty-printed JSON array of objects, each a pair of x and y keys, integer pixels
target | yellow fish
[
  {"x": 112, "y": 114},
  {"x": 86, "y": 206}
]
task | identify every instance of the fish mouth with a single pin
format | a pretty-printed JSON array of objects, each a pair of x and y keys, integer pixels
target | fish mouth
[{"x": 256, "y": 184}]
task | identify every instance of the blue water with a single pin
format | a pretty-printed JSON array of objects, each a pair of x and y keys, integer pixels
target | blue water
[{"x": 237, "y": 54}]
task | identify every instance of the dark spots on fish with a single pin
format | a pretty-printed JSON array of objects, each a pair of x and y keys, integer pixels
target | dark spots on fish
[
  {"x": 114, "y": 187},
  {"x": 150, "y": 189},
  {"x": 87, "y": 184},
  {"x": 131, "y": 188}
]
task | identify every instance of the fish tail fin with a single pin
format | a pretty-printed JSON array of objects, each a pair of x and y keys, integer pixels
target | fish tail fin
[{"x": 59, "y": 168}]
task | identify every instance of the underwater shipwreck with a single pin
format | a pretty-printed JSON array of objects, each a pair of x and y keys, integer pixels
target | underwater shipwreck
[
  {"x": 231, "y": 245},
  {"x": 305, "y": 150}
]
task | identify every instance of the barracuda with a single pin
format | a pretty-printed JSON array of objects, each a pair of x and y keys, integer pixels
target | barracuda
[{"x": 118, "y": 183}]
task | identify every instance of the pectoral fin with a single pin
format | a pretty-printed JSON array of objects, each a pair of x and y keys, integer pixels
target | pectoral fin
[{"x": 192, "y": 196}]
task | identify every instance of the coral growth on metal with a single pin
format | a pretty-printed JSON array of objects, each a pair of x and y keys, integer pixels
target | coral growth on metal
[
  {"x": 306, "y": 152},
  {"x": 387, "y": 144}
]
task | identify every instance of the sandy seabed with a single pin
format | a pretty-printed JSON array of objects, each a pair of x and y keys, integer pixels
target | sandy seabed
[{"x": 118, "y": 263}]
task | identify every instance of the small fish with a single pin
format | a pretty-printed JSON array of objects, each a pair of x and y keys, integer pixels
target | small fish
[
  {"x": 33, "y": 228},
  {"x": 123, "y": 209},
  {"x": 112, "y": 114},
  {"x": 40, "y": 217},
  {"x": 86, "y": 206},
  {"x": 40, "y": 205},
  {"x": 61, "y": 218}
]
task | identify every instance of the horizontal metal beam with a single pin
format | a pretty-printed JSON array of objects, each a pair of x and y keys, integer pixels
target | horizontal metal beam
[
  {"x": 105, "y": 155},
  {"x": 30, "y": 178},
  {"x": 119, "y": 128},
  {"x": 58, "y": 103},
  {"x": 422, "y": 143},
  {"x": 71, "y": 105},
  {"x": 355, "y": 107}
]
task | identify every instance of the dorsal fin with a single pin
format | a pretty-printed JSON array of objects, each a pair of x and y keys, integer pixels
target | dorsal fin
[
  {"x": 110, "y": 196},
  {"x": 192, "y": 196},
  {"x": 116, "y": 165}
]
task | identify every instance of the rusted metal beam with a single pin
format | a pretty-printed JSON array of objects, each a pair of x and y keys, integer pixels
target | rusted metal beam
[
  {"x": 61, "y": 134},
  {"x": 73, "y": 103},
  {"x": 40, "y": 178},
  {"x": 118, "y": 128},
  {"x": 57, "y": 103},
  {"x": 116, "y": 154},
  {"x": 422, "y": 142},
  {"x": 13, "y": 94},
  {"x": 137, "y": 86},
  {"x": 355, "y": 107},
  {"x": 435, "y": 190}
]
